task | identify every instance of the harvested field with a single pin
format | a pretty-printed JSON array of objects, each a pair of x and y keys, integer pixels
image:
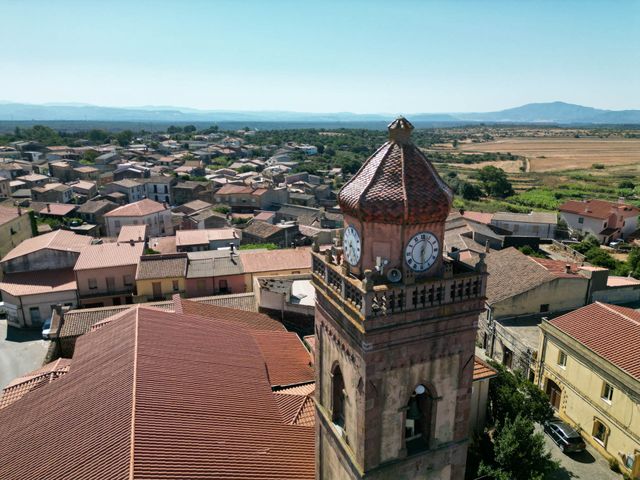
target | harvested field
[
  {"x": 564, "y": 153},
  {"x": 509, "y": 166}
]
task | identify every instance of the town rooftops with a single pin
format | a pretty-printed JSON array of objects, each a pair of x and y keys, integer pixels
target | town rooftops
[
  {"x": 62, "y": 240},
  {"x": 127, "y": 183},
  {"x": 143, "y": 366},
  {"x": 600, "y": 209},
  {"x": 186, "y": 238},
  {"x": 38, "y": 282},
  {"x": 137, "y": 209},
  {"x": 57, "y": 209},
  {"x": 532, "y": 217},
  {"x": 172, "y": 265},
  {"x": 273, "y": 260},
  {"x": 610, "y": 331},
  {"x": 136, "y": 233},
  {"x": 109, "y": 255}
]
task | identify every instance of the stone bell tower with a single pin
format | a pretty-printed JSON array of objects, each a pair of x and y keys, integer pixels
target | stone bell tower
[{"x": 395, "y": 324}]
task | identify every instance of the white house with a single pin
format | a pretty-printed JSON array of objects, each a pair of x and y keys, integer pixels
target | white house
[{"x": 156, "y": 216}]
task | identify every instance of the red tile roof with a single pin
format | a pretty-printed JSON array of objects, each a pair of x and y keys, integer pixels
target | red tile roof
[
  {"x": 287, "y": 360},
  {"x": 479, "y": 217},
  {"x": 610, "y": 331},
  {"x": 598, "y": 208},
  {"x": 157, "y": 395},
  {"x": 57, "y": 209},
  {"x": 482, "y": 369},
  {"x": 38, "y": 282},
  {"x": 8, "y": 214},
  {"x": 230, "y": 189},
  {"x": 63, "y": 240},
  {"x": 397, "y": 184},
  {"x": 274, "y": 260},
  {"x": 137, "y": 209},
  {"x": 109, "y": 255},
  {"x": 20, "y": 386},
  {"x": 558, "y": 267}
]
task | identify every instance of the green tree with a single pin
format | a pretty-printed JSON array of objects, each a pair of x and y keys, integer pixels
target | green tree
[
  {"x": 124, "y": 137},
  {"x": 495, "y": 182},
  {"x": 519, "y": 452},
  {"x": 511, "y": 395},
  {"x": 189, "y": 129},
  {"x": 469, "y": 191},
  {"x": 173, "y": 129}
]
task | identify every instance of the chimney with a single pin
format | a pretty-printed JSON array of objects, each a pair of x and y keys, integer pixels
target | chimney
[
  {"x": 487, "y": 248},
  {"x": 19, "y": 210},
  {"x": 48, "y": 207},
  {"x": 232, "y": 246},
  {"x": 131, "y": 242}
]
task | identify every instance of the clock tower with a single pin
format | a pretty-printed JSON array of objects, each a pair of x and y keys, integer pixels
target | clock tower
[{"x": 395, "y": 325}]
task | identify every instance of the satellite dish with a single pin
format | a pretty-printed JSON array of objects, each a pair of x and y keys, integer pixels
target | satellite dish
[{"x": 394, "y": 275}]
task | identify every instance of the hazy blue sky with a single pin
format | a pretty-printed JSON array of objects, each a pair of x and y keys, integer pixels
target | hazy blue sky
[{"x": 324, "y": 56}]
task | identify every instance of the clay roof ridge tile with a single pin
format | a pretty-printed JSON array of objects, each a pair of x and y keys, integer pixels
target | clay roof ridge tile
[{"x": 133, "y": 395}]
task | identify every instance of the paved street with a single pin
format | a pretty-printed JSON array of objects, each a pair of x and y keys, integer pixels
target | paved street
[
  {"x": 21, "y": 351},
  {"x": 588, "y": 465}
]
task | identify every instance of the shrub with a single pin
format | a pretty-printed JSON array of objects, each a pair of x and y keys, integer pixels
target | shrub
[
  {"x": 598, "y": 166},
  {"x": 613, "y": 465}
]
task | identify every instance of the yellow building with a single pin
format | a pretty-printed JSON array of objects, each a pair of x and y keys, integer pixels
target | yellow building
[
  {"x": 590, "y": 368},
  {"x": 15, "y": 226},
  {"x": 160, "y": 276}
]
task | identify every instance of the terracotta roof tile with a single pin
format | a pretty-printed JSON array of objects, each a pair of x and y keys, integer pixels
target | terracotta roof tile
[
  {"x": 137, "y": 233},
  {"x": 482, "y": 369},
  {"x": 38, "y": 282},
  {"x": 610, "y": 331},
  {"x": 162, "y": 266},
  {"x": 598, "y": 208},
  {"x": 273, "y": 260},
  {"x": 63, "y": 240},
  {"x": 159, "y": 396},
  {"x": 107, "y": 255},
  {"x": 287, "y": 360},
  {"x": 8, "y": 214},
  {"x": 20, "y": 386},
  {"x": 202, "y": 237},
  {"x": 397, "y": 184},
  {"x": 137, "y": 209}
]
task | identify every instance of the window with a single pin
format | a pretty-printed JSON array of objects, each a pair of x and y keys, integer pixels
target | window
[
  {"x": 507, "y": 357},
  {"x": 418, "y": 420},
  {"x": 127, "y": 280},
  {"x": 607, "y": 392},
  {"x": 600, "y": 431},
  {"x": 93, "y": 284},
  {"x": 562, "y": 359},
  {"x": 580, "y": 219},
  {"x": 544, "y": 307},
  {"x": 337, "y": 398},
  {"x": 604, "y": 225},
  {"x": 176, "y": 286},
  {"x": 116, "y": 223}
]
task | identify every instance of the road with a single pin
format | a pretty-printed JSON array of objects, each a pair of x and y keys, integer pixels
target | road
[
  {"x": 588, "y": 465},
  {"x": 21, "y": 351}
]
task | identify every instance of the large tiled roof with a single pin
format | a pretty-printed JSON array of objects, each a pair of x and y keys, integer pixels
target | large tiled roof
[
  {"x": 137, "y": 209},
  {"x": 262, "y": 230},
  {"x": 397, "y": 184},
  {"x": 238, "y": 189},
  {"x": 157, "y": 395},
  {"x": 610, "y": 331},
  {"x": 38, "y": 282},
  {"x": 63, "y": 240},
  {"x": 600, "y": 209},
  {"x": 78, "y": 322},
  {"x": 272, "y": 260},
  {"x": 162, "y": 266},
  {"x": 511, "y": 272},
  {"x": 109, "y": 255}
]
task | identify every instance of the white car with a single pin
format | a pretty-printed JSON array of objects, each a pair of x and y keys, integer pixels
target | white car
[{"x": 615, "y": 243}]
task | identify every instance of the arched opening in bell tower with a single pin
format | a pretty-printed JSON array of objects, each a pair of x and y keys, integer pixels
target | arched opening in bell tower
[
  {"x": 338, "y": 397},
  {"x": 419, "y": 420}
]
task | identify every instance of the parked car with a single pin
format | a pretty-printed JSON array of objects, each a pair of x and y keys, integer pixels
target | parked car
[
  {"x": 46, "y": 329},
  {"x": 615, "y": 243},
  {"x": 565, "y": 437}
]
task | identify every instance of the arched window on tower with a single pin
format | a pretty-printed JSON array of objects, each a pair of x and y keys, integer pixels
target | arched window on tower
[
  {"x": 419, "y": 420},
  {"x": 337, "y": 398}
]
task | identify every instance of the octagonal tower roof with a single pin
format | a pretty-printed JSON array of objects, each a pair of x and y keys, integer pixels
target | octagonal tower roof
[{"x": 397, "y": 184}]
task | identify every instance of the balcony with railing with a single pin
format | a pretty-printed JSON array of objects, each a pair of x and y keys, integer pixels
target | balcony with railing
[{"x": 371, "y": 297}]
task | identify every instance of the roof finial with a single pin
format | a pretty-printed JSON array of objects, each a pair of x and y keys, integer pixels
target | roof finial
[{"x": 400, "y": 130}]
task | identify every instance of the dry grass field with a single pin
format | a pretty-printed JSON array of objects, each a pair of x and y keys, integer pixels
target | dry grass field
[{"x": 554, "y": 154}]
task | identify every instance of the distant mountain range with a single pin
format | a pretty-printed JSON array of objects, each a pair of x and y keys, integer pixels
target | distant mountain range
[{"x": 552, "y": 112}]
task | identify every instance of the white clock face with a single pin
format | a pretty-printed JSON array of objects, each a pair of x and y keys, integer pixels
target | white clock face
[
  {"x": 351, "y": 245},
  {"x": 422, "y": 251}
]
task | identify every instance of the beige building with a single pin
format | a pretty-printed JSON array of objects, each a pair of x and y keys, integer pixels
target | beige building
[
  {"x": 106, "y": 273},
  {"x": 15, "y": 227},
  {"x": 589, "y": 365},
  {"x": 158, "y": 277},
  {"x": 155, "y": 215}
]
